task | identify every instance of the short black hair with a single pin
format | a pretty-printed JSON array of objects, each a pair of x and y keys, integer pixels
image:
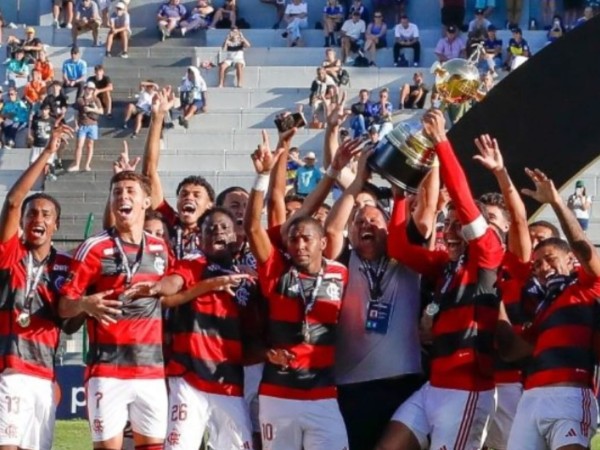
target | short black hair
[
  {"x": 495, "y": 199},
  {"x": 293, "y": 198},
  {"x": 210, "y": 212},
  {"x": 42, "y": 196},
  {"x": 197, "y": 180},
  {"x": 545, "y": 224},
  {"x": 302, "y": 220},
  {"x": 223, "y": 194},
  {"x": 556, "y": 242}
]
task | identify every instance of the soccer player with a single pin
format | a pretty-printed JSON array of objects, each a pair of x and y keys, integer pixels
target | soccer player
[
  {"x": 297, "y": 395},
  {"x": 194, "y": 194},
  {"x": 32, "y": 272},
  {"x": 125, "y": 369},
  {"x": 452, "y": 410},
  {"x": 558, "y": 408}
]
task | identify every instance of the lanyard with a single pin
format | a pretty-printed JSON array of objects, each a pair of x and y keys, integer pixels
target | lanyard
[
  {"x": 130, "y": 270},
  {"x": 375, "y": 276},
  {"x": 449, "y": 273},
  {"x": 184, "y": 244},
  {"x": 34, "y": 276},
  {"x": 309, "y": 303}
]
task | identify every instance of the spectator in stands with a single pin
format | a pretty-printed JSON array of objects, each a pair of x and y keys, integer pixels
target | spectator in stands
[
  {"x": 353, "y": 35},
  {"x": 192, "y": 95},
  {"x": 381, "y": 112},
  {"x": 307, "y": 176},
  {"x": 40, "y": 130},
  {"x": 557, "y": 30},
  {"x": 451, "y": 46},
  {"x": 588, "y": 13},
  {"x": 87, "y": 18},
  {"x": 279, "y": 7},
  {"x": 74, "y": 71},
  {"x": 296, "y": 18},
  {"x": 487, "y": 82},
  {"x": 580, "y": 204},
  {"x": 103, "y": 7},
  {"x": 225, "y": 16},
  {"x": 358, "y": 6},
  {"x": 332, "y": 65},
  {"x": 477, "y": 31},
  {"x": 406, "y": 35},
  {"x": 375, "y": 37},
  {"x": 486, "y": 6},
  {"x": 293, "y": 164},
  {"x": 170, "y": 14},
  {"x": 361, "y": 114},
  {"x": 35, "y": 90},
  {"x": 413, "y": 96},
  {"x": 15, "y": 115},
  {"x": 318, "y": 90},
  {"x": 453, "y": 13},
  {"x": 199, "y": 19},
  {"x": 333, "y": 17},
  {"x": 31, "y": 45},
  {"x": 57, "y": 101},
  {"x": 17, "y": 69},
  {"x": 493, "y": 50},
  {"x": 513, "y": 13},
  {"x": 142, "y": 108},
  {"x": 67, "y": 7},
  {"x": 88, "y": 110},
  {"x": 104, "y": 88},
  {"x": 118, "y": 28},
  {"x": 44, "y": 66},
  {"x": 548, "y": 8},
  {"x": 517, "y": 48},
  {"x": 234, "y": 45}
]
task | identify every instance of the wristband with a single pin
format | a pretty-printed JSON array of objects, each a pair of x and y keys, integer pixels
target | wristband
[
  {"x": 261, "y": 183},
  {"x": 333, "y": 173}
]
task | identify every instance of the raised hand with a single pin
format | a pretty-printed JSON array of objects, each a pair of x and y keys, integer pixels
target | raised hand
[
  {"x": 143, "y": 289},
  {"x": 434, "y": 125},
  {"x": 335, "y": 112},
  {"x": 544, "y": 192},
  {"x": 262, "y": 158},
  {"x": 100, "y": 308},
  {"x": 163, "y": 100},
  {"x": 490, "y": 156},
  {"x": 280, "y": 357},
  {"x": 348, "y": 150},
  {"x": 60, "y": 133},
  {"x": 124, "y": 164},
  {"x": 228, "y": 283}
]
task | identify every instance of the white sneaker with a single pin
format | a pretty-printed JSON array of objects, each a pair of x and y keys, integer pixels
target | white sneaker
[
  {"x": 56, "y": 24},
  {"x": 349, "y": 60},
  {"x": 183, "y": 31},
  {"x": 12, "y": 26},
  {"x": 69, "y": 26}
]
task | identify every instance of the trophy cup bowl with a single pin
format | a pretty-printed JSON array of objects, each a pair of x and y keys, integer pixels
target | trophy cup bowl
[{"x": 405, "y": 156}]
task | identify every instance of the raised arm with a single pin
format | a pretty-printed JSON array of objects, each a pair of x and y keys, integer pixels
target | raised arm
[
  {"x": 11, "y": 211},
  {"x": 264, "y": 161},
  {"x": 490, "y": 157},
  {"x": 278, "y": 180},
  {"x": 161, "y": 104},
  {"x": 341, "y": 211},
  {"x": 545, "y": 192},
  {"x": 425, "y": 214}
]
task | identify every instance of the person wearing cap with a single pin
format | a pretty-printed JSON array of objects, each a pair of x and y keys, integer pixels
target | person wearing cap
[
  {"x": 88, "y": 109},
  {"x": 406, "y": 35},
  {"x": 17, "y": 69},
  {"x": 87, "y": 18},
  {"x": 74, "y": 71},
  {"x": 31, "y": 45},
  {"x": 15, "y": 116},
  {"x": 104, "y": 88},
  {"x": 307, "y": 176},
  {"x": 352, "y": 35},
  {"x": 517, "y": 47},
  {"x": 580, "y": 204},
  {"x": 493, "y": 49},
  {"x": 477, "y": 31},
  {"x": 119, "y": 28},
  {"x": 451, "y": 46},
  {"x": 486, "y": 7}
]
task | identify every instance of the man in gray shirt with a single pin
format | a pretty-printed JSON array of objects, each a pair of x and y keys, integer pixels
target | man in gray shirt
[{"x": 87, "y": 18}]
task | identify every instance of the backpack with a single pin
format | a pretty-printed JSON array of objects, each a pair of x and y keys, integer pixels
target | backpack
[
  {"x": 361, "y": 61},
  {"x": 344, "y": 77}
]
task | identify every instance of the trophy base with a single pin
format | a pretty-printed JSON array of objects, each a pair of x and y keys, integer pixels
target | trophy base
[{"x": 397, "y": 168}]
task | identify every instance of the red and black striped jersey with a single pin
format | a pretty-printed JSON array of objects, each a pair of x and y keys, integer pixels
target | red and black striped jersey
[
  {"x": 183, "y": 247},
  {"x": 29, "y": 350},
  {"x": 131, "y": 347},
  {"x": 310, "y": 337},
  {"x": 208, "y": 333},
  {"x": 563, "y": 335},
  {"x": 512, "y": 277}
]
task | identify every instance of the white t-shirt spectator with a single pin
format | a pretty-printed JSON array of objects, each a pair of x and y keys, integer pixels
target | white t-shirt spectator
[
  {"x": 293, "y": 9},
  {"x": 145, "y": 100},
  {"x": 406, "y": 34},
  {"x": 197, "y": 88},
  {"x": 354, "y": 29}
]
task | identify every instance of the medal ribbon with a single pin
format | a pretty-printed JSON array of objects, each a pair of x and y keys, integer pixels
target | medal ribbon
[
  {"x": 375, "y": 276},
  {"x": 130, "y": 270}
]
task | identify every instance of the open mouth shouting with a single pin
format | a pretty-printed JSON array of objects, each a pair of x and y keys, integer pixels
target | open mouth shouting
[
  {"x": 188, "y": 209},
  {"x": 38, "y": 231},
  {"x": 124, "y": 211},
  {"x": 367, "y": 236}
]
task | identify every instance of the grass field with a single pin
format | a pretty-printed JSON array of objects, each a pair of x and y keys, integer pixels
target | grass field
[{"x": 75, "y": 435}]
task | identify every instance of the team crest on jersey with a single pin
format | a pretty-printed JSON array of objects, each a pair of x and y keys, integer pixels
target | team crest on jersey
[
  {"x": 174, "y": 437},
  {"x": 159, "y": 265},
  {"x": 333, "y": 291},
  {"x": 59, "y": 282},
  {"x": 242, "y": 295}
]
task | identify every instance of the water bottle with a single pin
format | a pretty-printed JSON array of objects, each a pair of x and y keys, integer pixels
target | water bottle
[{"x": 532, "y": 24}]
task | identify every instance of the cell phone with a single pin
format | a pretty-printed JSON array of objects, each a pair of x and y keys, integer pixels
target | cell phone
[{"x": 295, "y": 120}]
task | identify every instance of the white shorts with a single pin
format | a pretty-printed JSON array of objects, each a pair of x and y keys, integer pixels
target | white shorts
[
  {"x": 191, "y": 411},
  {"x": 301, "y": 424},
  {"x": 252, "y": 377},
  {"x": 453, "y": 418},
  {"x": 232, "y": 58},
  {"x": 27, "y": 410},
  {"x": 111, "y": 401},
  {"x": 553, "y": 417},
  {"x": 35, "y": 154},
  {"x": 507, "y": 399}
]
